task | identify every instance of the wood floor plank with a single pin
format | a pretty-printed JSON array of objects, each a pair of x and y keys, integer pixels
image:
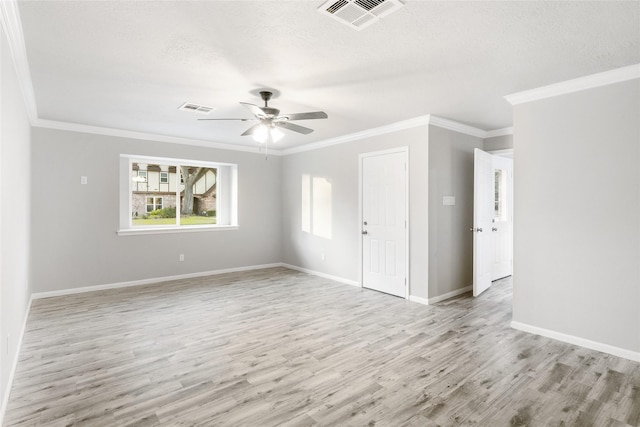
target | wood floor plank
[{"x": 276, "y": 347}]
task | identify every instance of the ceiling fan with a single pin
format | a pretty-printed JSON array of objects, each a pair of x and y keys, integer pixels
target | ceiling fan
[{"x": 270, "y": 120}]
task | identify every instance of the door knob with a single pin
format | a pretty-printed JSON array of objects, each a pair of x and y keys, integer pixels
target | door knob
[
  {"x": 365, "y": 232},
  {"x": 479, "y": 230},
  {"x": 494, "y": 229}
]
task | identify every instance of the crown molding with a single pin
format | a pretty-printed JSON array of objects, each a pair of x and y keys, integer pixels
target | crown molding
[
  {"x": 456, "y": 126},
  {"x": 426, "y": 120},
  {"x": 11, "y": 24},
  {"x": 394, "y": 127},
  {"x": 499, "y": 132},
  {"x": 76, "y": 127},
  {"x": 587, "y": 82},
  {"x": 405, "y": 124}
]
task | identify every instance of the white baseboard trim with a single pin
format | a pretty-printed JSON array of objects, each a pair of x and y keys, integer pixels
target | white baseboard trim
[
  {"x": 419, "y": 300},
  {"x": 450, "y": 295},
  {"x": 582, "y": 342},
  {"x": 14, "y": 365},
  {"x": 324, "y": 275},
  {"x": 150, "y": 281}
]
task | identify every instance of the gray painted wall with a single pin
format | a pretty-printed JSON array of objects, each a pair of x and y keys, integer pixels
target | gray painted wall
[
  {"x": 498, "y": 143},
  {"x": 270, "y": 221},
  {"x": 15, "y": 176},
  {"x": 339, "y": 165},
  {"x": 441, "y": 163},
  {"x": 74, "y": 241},
  {"x": 450, "y": 242},
  {"x": 577, "y": 210}
]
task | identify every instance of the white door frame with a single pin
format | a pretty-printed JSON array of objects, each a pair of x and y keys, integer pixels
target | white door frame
[{"x": 361, "y": 158}]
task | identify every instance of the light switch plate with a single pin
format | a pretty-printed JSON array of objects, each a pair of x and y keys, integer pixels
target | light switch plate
[
  {"x": 83, "y": 180},
  {"x": 448, "y": 200}
]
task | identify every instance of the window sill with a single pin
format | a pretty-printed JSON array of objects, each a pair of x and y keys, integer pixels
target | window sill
[{"x": 169, "y": 230}]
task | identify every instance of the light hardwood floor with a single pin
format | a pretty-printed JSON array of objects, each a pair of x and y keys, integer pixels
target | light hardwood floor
[{"x": 278, "y": 347}]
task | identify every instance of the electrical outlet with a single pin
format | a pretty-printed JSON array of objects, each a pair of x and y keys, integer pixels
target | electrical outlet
[
  {"x": 181, "y": 258},
  {"x": 83, "y": 180}
]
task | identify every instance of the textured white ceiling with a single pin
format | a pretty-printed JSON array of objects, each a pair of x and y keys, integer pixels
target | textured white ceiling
[{"x": 130, "y": 64}]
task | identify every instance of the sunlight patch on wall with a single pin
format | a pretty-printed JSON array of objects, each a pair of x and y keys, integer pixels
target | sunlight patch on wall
[{"x": 317, "y": 206}]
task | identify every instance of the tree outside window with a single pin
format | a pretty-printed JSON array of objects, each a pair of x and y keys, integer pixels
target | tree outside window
[{"x": 164, "y": 194}]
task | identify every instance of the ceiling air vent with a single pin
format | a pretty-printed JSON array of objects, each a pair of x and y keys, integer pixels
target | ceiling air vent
[
  {"x": 359, "y": 14},
  {"x": 202, "y": 109}
]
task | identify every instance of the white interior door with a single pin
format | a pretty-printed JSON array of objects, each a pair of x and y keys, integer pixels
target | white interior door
[
  {"x": 502, "y": 228},
  {"x": 483, "y": 254},
  {"x": 384, "y": 222}
]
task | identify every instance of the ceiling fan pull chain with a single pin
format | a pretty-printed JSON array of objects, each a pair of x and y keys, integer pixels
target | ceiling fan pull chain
[{"x": 266, "y": 147}]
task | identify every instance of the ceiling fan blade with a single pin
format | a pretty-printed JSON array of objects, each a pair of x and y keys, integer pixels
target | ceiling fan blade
[
  {"x": 257, "y": 111},
  {"x": 251, "y": 130},
  {"x": 293, "y": 127},
  {"x": 306, "y": 116},
  {"x": 242, "y": 120}
]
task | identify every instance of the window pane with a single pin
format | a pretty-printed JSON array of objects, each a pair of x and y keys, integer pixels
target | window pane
[
  {"x": 161, "y": 188},
  {"x": 500, "y": 195},
  {"x": 151, "y": 203},
  {"x": 198, "y": 198}
]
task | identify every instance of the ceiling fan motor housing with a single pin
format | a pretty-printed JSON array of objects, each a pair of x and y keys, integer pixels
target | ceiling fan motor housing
[{"x": 270, "y": 112}]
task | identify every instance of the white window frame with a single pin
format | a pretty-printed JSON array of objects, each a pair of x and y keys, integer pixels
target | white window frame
[
  {"x": 166, "y": 177},
  {"x": 226, "y": 196}
]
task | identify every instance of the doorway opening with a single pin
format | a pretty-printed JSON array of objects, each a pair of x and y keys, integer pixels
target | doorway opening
[{"x": 493, "y": 218}]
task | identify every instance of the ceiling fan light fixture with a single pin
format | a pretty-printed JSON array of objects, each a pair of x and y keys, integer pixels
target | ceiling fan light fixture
[
  {"x": 261, "y": 134},
  {"x": 276, "y": 134}
]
